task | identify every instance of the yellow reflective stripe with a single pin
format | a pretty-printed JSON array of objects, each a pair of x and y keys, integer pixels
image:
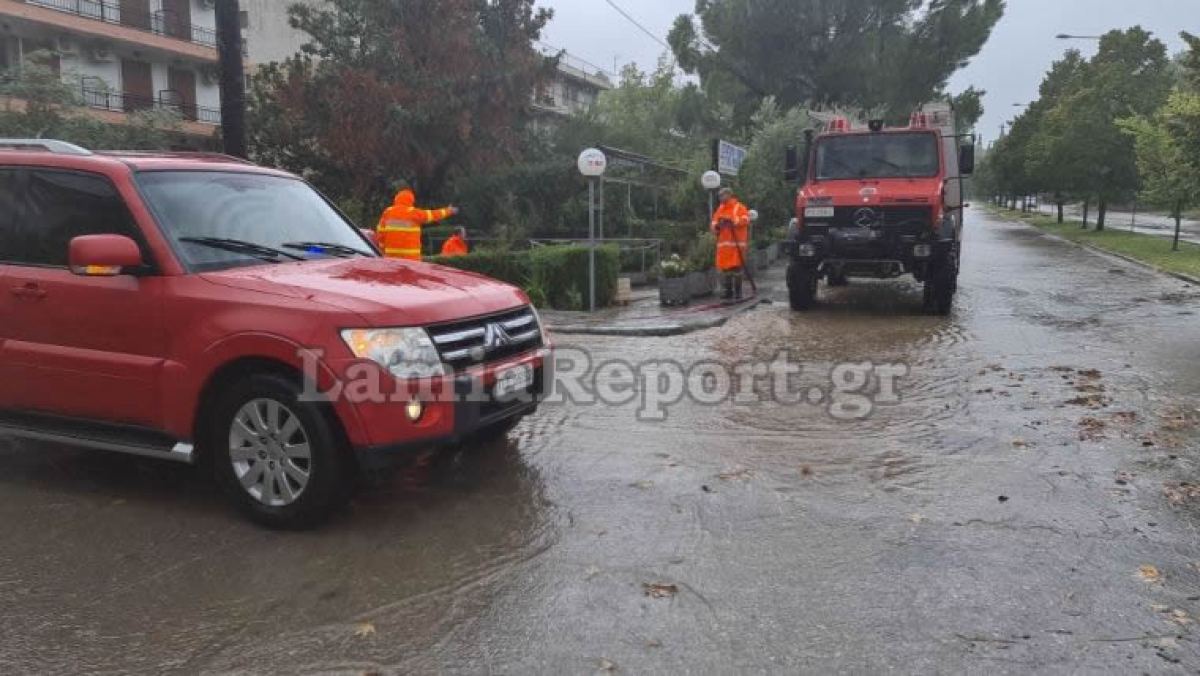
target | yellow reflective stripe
[{"x": 402, "y": 251}]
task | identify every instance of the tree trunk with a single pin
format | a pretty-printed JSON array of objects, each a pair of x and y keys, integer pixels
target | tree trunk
[
  {"x": 1178, "y": 224},
  {"x": 1101, "y": 211},
  {"x": 1060, "y": 212},
  {"x": 1086, "y": 204}
]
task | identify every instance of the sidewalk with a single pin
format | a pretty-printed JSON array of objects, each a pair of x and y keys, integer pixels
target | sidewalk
[{"x": 644, "y": 316}]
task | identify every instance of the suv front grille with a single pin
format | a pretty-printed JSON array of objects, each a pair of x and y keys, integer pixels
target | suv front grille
[{"x": 484, "y": 339}]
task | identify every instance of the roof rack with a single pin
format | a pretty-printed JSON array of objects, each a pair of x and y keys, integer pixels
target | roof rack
[
  {"x": 43, "y": 144},
  {"x": 182, "y": 154}
]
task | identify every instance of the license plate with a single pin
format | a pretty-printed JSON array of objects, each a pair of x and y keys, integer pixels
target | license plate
[
  {"x": 818, "y": 212},
  {"x": 512, "y": 381}
]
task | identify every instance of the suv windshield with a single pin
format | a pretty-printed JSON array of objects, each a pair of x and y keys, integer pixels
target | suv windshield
[
  {"x": 226, "y": 219},
  {"x": 877, "y": 156}
]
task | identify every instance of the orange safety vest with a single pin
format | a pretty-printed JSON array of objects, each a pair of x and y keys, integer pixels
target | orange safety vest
[
  {"x": 400, "y": 226},
  {"x": 731, "y": 241},
  {"x": 455, "y": 246}
]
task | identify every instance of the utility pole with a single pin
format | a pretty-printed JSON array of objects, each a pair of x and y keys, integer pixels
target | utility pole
[{"x": 233, "y": 77}]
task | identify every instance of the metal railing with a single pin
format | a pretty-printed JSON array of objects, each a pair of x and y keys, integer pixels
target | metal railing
[
  {"x": 161, "y": 22},
  {"x": 124, "y": 102}
]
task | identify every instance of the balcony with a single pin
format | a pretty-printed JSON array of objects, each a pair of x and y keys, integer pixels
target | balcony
[
  {"x": 123, "y": 102},
  {"x": 161, "y": 22}
]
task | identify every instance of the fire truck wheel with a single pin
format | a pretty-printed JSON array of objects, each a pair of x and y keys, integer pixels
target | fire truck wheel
[
  {"x": 940, "y": 287},
  {"x": 802, "y": 286}
]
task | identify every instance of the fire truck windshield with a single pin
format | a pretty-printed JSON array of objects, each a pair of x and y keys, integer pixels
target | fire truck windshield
[{"x": 888, "y": 155}]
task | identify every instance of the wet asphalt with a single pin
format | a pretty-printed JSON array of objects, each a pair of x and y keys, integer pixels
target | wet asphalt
[{"x": 1020, "y": 509}]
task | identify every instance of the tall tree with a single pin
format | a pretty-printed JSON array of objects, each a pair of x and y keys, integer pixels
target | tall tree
[
  {"x": 888, "y": 55},
  {"x": 420, "y": 91},
  {"x": 1170, "y": 173}
]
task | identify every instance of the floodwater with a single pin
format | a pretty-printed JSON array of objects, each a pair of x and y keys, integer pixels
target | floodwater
[{"x": 1018, "y": 508}]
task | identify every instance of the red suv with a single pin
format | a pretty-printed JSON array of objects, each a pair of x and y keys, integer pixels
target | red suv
[{"x": 198, "y": 308}]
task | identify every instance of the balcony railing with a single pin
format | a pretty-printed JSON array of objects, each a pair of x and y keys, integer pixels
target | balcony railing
[
  {"x": 162, "y": 22},
  {"x": 123, "y": 102}
]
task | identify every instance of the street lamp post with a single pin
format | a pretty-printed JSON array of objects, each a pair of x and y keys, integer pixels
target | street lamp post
[
  {"x": 592, "y": 164},
  {"x": 710, "y": 180}
]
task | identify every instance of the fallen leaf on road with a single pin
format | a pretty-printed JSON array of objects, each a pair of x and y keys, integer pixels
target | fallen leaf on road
[
  {"x": 1149, "y": 573},
  {"x": 730, "y": 475},
  {"x": 642, "y": 484},
  {"x": 1181, "y": 617},
  {"x": 364, "y": 630},
  {"x": 1125, "y": 417},
  {"x": 1090, "y": 373},
  {"x": 1094, "y": 400},
  {"x": 607, "y": 666},
  {"x": 1180, "y": 493},
  {"x": 659, "y": 590},
  {"x": 654, "y": 643},
  {"x": 916, "y": 518},
  {"x": 1124, "y": 478},
  {"x": 806, "y": 471},
  {"x": 1020, "y": 443},
  {"x": 591, "y": 572},
  {"x": 1091, "y": 429}
]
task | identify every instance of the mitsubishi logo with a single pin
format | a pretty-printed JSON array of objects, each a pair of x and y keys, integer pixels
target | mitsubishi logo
[
  {"x": 495, "y": 337},
  {"x": 866, "y": 218}
]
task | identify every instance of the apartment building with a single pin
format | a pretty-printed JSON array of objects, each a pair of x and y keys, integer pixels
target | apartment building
[
  {"x": 123, "y": 55},
  {"x": 574, "y": 88}
]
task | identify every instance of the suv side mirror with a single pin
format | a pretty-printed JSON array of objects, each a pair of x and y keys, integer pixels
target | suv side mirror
[
  {"x": 966, "y": 160},
  {"x": 103, "y": 255},
  {"x": 791, "y": 171}
]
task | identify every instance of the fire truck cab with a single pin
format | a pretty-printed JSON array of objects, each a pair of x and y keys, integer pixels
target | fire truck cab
[{"x": 880, "y": 202}]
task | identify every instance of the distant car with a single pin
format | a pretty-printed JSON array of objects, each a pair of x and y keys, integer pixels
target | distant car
[{"x": 193, "y": 306}]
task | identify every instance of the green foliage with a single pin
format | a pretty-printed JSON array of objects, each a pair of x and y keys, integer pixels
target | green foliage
[
  {"x": 50, "y": 108},
  {"x": 1069, "y": 143},
  {"x": 889, "y": 55},
  {"x": 1170, "y": 172},
  {"x": 761, "y": 177},
  {"x": 419, "y": 91},
  {"x": 555, "y": 276}
]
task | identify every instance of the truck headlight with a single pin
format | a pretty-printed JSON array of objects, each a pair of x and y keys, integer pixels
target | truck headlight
[{"x": 405, "y": 353}]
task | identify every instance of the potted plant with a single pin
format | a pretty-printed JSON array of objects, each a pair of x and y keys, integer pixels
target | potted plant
[{"x": 673, "y": 287}]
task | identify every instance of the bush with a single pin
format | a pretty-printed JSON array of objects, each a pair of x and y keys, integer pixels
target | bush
[{"x": 555, "y": 276}]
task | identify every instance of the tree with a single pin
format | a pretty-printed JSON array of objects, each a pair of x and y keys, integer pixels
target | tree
[
  {"x": 416, "y": 91},
  {"x": 887, "y": 55},
  {"x": 1170, "y": 172}
]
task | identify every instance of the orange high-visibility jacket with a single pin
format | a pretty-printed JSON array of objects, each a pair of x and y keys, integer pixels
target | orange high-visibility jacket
[
  {"x": 455, "y": 246},
  {"x": 731, "y": 239},
  {"x": 400, "y": 226}
]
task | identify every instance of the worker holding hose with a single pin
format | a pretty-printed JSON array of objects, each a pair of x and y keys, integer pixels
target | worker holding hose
[{"x": 731, "y": 224}]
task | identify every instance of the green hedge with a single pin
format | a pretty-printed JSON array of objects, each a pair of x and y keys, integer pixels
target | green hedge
[{"x": 553, "y": 276}]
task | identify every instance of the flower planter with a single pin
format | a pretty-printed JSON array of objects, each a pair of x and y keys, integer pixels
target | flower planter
[
  {"x": 674, "y": 291},
  {"x": 697, "y": 283}
]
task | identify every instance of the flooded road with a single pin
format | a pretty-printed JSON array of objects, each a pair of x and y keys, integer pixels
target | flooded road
[{"x": 1022, "y": 506}]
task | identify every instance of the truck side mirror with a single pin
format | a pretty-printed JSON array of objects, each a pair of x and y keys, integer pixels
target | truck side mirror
[
  {"x": 966, "y": 160},
  {"x": 791, "y": 171}
]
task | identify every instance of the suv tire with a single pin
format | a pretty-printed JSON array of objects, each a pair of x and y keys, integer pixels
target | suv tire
[
  {"x": 802, "y": 286},
  {"x": 281, "y": 460}
]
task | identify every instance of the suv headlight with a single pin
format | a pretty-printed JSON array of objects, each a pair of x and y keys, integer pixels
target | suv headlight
[{"x": 405, "y": 353}]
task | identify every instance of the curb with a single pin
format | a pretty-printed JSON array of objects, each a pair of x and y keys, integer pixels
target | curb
[
  {"x": 658, "y": 331},
  {"x": 1183, "y": 277}
]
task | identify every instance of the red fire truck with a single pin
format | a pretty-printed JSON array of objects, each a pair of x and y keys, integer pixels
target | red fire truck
[{"x": 880, "y": 202}]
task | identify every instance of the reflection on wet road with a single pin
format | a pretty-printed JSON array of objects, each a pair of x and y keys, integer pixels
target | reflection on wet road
[{"x": 1004, "y": 515}]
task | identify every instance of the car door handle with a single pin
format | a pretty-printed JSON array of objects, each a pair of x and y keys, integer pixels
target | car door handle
[{"x": 30, "y": 290}]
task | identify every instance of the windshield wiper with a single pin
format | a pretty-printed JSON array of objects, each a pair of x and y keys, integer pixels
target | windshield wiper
[
  {"x": 330, "y": 247},
  {"x": 241, "y": 246}
]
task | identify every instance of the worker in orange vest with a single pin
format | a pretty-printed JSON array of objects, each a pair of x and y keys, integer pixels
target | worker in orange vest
[
  {"x": 400, "y": 225},
  {"x": 731, "y": 224},
  {"x": 457, "y": 244}
]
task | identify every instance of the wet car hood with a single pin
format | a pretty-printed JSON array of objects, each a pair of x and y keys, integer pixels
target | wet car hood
[
  {"x": 873, "y": 191},
  {"x": 385, "y": 292}
]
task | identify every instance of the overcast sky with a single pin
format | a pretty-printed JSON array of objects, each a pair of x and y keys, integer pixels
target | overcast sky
[{"x": 1009, "y": 67}]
